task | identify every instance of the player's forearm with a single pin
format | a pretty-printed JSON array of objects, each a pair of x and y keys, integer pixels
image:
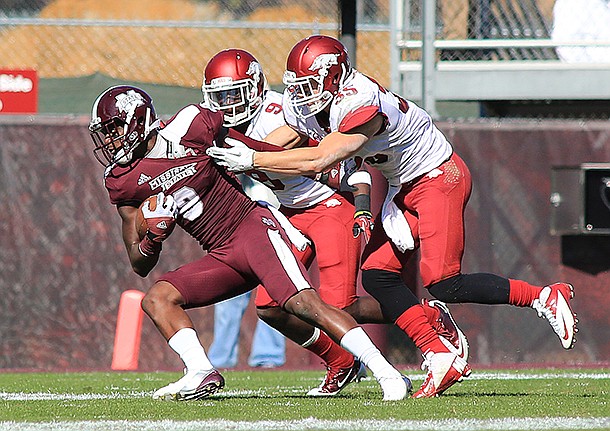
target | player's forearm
[
  {"x": 310, "y": 160},
  {"x": 285, "y": 137},
  {"x": 297, "y": 161},
  {"x": 141, "y": 264}
]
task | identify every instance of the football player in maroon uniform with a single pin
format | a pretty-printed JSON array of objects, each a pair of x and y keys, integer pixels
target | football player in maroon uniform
[{"x": 245, "y": 244}]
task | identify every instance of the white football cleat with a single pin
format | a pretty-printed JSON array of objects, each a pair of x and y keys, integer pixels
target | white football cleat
[
  {"x": 553, "y": 303},
  {"x": 444, "y": 370},
  {"x": 395, "y": 388},
  {"x": 193, "y": 386}
]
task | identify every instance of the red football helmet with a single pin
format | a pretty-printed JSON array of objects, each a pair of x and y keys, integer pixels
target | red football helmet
[
  {"x": 316, "y": 67},
  {"x": 123, "y": 119},
  {"x": 233, "y": 82}
]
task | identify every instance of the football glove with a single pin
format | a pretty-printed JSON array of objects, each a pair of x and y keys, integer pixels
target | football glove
[
  {"x": 363, "y": 225},
  {"x": 236, "y": 158},
  {"x": 161, "y": 222}
]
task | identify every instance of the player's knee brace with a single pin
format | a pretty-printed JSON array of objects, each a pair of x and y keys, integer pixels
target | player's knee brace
[{"x": 390, "y": 291}]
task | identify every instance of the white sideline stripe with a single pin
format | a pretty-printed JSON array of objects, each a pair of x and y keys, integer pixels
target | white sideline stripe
[
  {"x": 526, "y": 376},
  {"x": 502, "y": 424}
]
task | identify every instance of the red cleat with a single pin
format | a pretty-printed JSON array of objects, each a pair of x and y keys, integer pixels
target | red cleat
[
  {"x": 443, "y": 324},
  {"x": 553, "y": 304}
]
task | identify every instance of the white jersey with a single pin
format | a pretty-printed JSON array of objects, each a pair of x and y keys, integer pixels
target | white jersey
[
  {"x": 410, "y": 145},
  {"x": 291, "y": 191}
]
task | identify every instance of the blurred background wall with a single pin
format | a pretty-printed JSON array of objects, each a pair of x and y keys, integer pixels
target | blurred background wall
[{"x": 63, "y": 265}]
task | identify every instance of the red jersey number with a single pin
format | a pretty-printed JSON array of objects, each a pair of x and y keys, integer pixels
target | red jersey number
[
  {"x": 346, "y": 91},
  {"x": 273, "y": 108}
]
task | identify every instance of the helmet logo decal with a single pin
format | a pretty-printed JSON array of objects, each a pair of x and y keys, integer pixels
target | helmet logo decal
[
  {"x": 254, "y": 70},
  {"x": 324, "y": 61},
  {"x": 129, "y": 101}
]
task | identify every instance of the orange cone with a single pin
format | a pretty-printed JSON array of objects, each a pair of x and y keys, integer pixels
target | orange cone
[{"x": 128, "y": 331}]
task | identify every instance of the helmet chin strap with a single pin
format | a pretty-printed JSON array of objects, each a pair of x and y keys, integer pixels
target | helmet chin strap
[
  {"x": 150, "y": 126},
  {"x": 123, "y": 157}
]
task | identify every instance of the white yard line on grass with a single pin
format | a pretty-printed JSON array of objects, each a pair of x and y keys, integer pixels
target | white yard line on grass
[
  {"x": 48, "y": 396},
  {"x": 525, "y": 376},
  {"x": 311, "y": 424}
]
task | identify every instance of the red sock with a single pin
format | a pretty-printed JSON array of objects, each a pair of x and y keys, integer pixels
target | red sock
[
  {"x": 334, "y": 355},
  {"x": 522, "y": 294},
  {"x": 415, "y": 324}
]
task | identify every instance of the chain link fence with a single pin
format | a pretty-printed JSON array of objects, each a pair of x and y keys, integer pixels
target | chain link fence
[
  {"x": 471, "y": 30},
  {"x": 511, "y": 58},
  {"x": 169, "y": 41}
]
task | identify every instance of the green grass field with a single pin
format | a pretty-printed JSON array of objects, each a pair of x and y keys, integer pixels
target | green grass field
[{"x": 538, "y": 399}]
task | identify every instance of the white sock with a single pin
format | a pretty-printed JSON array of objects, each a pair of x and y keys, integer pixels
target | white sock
[
  {"x": 360, "y": 345},
  {"x": 186, "y": 344}
]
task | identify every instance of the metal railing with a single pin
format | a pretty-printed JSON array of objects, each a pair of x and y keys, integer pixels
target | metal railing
[{"x": 429, "y": 49}]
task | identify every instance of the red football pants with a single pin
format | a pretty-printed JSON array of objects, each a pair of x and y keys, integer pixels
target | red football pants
[
  {"x": 329, "y": 227},
  {"x": 434, "y": 208}
]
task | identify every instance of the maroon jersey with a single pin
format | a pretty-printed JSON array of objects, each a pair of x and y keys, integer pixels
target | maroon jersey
[{"x": 210, "y": 201}]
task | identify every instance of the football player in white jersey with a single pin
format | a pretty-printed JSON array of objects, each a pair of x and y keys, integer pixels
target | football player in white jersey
[
  {"x": 235, "y": 84},
  {"x": 429, "y": 187}
]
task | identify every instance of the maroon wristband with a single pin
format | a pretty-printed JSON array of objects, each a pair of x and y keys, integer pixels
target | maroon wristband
[{"x": 149, "y": 247}]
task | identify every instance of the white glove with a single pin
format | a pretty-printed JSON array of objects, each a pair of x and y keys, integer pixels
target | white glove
[
  {"x": 237, "y": 158},
  {"x": 159, "y": 222},
  {"x": 166, "y": 208}
]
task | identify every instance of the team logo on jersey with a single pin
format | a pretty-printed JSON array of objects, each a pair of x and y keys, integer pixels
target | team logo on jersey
[
  {"x": 172, "y": 176},
  {"x": 143, "y": 179},
  {"x": 268, "y": 222},
  {"x": 331, "y": 203}
]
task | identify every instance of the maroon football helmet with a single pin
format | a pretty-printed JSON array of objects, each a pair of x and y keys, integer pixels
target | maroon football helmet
[
  {"x": 122, "y": 120},
  {"x": 316, "y": 67},
  {"x": 233, "y": 82}
]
